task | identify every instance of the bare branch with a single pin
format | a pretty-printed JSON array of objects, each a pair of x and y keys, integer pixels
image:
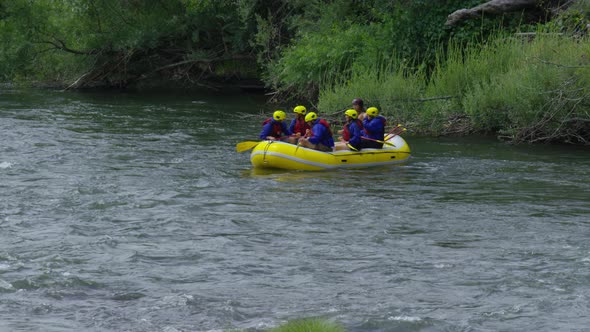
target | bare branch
[
  {"x": 61, "y": 45},
  {"x": 557, "y": 64}
]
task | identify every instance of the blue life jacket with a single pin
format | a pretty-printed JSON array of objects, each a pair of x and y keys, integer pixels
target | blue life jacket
[
  {"x": 355, "y": 129},
  {"x": 374, "y": 128},
  {"x": 321, "y": 133}
]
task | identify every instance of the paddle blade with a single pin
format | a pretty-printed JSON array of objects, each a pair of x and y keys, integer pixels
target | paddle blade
[{"x": 245, "y": 146}]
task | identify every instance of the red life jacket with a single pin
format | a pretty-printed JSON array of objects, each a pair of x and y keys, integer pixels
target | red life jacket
[
  {"x": 346, "y": 132},
  {"x": 327, "y": 125},
  {"x": 277, "y": 131},
  {"x": 300, "y": 126}
]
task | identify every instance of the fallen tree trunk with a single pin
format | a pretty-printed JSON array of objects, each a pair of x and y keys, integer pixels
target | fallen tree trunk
[{"x": 542, "y": 9}]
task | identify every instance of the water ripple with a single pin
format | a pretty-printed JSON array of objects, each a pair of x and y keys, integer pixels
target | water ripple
[{"x": 135, "y": 213}]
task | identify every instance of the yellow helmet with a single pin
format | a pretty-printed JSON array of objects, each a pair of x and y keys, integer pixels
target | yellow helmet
[
  {"x": 279, "y": 115},
  {"x": 352, "y": 113},
  {"x": 372, "y": 111},
  {"x": 300, "y": 110},
  {"x": 310, "y": 116}
]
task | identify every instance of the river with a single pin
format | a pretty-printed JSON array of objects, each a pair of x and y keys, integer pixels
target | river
[{"x": 133, "y": 212}]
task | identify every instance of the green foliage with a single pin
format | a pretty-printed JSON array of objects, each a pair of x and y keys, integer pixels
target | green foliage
[
  {"x": 524, "y": 90},
  {"x": 316, "y": 59},
  {"x": 300, "y": 44},
  {"x": 539, "y": 88},
  {"x": 118, "y": 40},
  {"x": 309, "y": 325},
  {"x": 543, "y": 96},
  {"x": 392, "y": 89},
  {"x": 337, "y": 36},
  {"x": 576, "y": 20},
  {"x": 397, "y": 55}
]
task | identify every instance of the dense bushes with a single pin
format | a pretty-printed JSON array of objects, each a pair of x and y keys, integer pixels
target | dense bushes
[
  {"x": 351, "y": 35},
  {"x": 298, "y": 45}
]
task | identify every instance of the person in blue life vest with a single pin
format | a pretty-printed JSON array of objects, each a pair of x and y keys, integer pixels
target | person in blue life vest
[
  {"x": 373, "y": 128},
  {"x": 320, "y": 136},
  {"x": 298, "y": 126},
  {"x": 351, "y": 133},
  {"x": 275, "y": 128}
]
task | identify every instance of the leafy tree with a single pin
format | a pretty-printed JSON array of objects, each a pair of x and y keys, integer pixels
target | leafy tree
[{"x": 117, "y": 43}]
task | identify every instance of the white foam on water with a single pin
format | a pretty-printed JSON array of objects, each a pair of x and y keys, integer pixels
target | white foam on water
[
  {"x": 171, "y": 329},
  {"x": 202, "y": 183},
  {"x": 405, "y": 318},
  {"x": 5, "y": 164},
  {"x": 5, "y": 285},
  {"x": 262, "y": 324},
  {"x": 177, "y": 300}
]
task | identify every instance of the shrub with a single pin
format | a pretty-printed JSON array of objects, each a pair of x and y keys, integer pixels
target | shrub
[{"x": 309, "y": 325}]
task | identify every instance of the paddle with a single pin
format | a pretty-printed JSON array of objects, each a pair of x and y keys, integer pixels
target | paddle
[
  {"x": 395, "y": 131},
  {"x": 245, "y": 146},
  {"x": 378, "y": 141}
]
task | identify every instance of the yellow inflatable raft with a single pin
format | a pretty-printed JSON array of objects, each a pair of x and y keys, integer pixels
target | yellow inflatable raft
[{"x": 276, "y": 154}]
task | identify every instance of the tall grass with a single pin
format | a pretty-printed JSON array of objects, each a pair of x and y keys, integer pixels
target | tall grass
[
  {"x": 388, "y": 87},
  {"x": 521, "y": 89}
]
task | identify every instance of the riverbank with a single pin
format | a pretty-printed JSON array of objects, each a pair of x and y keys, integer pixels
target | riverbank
[{"x": 455, "y": 79}]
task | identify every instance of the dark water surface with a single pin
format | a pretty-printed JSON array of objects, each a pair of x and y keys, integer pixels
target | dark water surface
[{"x": 123, "y": 212}]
